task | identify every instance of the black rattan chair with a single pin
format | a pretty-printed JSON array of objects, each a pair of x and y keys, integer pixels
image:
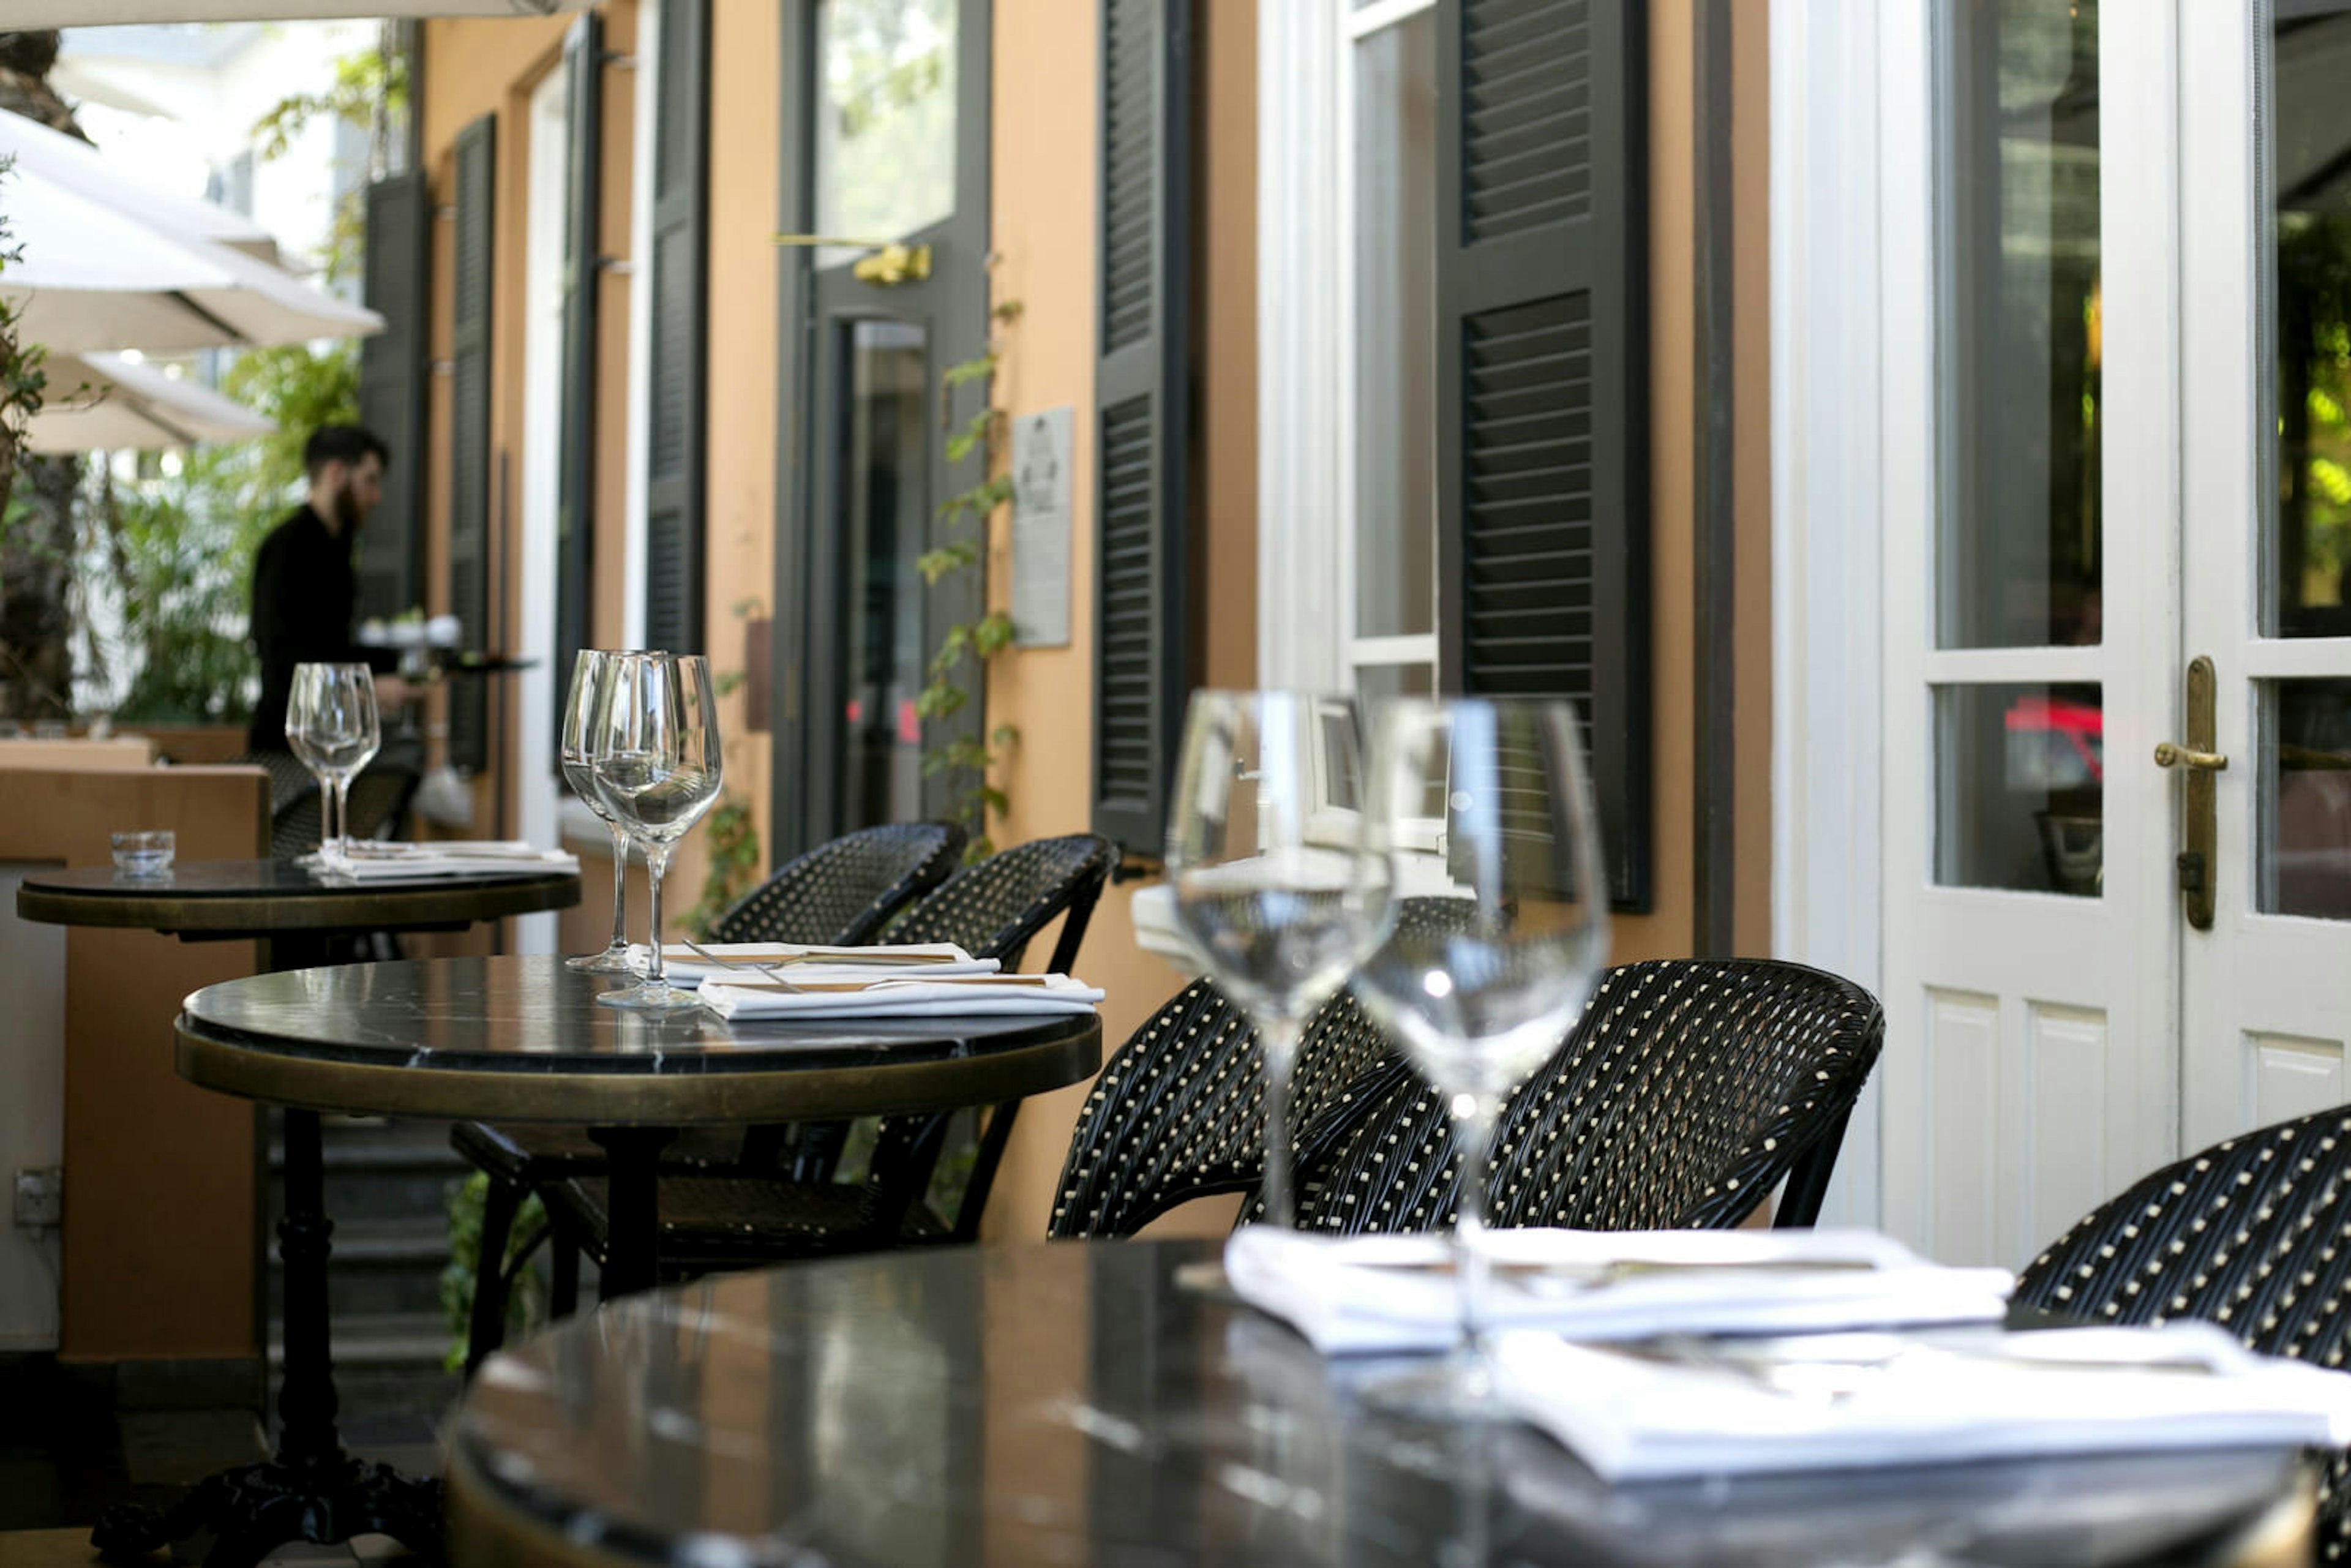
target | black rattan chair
[
  {"x": 2254, "y": 1234},
  {"x": 714, "y": 1221},
  {"x": 848, "y": 888},
  {"x": 839, "y": 894},
  {"x": 1178, "y": 1112},
  {"x": 1689, "y": 1090}
]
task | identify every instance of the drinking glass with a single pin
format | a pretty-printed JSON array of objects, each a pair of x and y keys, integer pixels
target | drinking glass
[
  {"x": 1264, "y": 856},
  {"x": 1480, "y": 1000},
  {"x": 332, "y": 725},
  {"x": 589, "y": 671},
  {"x": 653, "y": 757}
]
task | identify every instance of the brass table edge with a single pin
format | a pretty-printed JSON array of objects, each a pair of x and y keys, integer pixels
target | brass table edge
[
  {"x": 254, "y": 1071},
  {"x": 486, "y": 1530}
]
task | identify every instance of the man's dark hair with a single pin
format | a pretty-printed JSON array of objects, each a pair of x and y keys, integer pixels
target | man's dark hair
[{"x": 344, "y": 443}]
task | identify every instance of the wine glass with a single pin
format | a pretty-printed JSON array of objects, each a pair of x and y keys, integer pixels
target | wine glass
[
  {"x": 590, "y": 671},
  {"x": 1264, "y": 857},
  {"x": 653, "y": 757},
  {"x": 1483, "y": 1000},
  {"x": 332, "y": 725}
]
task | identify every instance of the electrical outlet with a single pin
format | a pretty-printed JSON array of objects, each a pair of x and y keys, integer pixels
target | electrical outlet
[{"x": 41, "y": 1197}]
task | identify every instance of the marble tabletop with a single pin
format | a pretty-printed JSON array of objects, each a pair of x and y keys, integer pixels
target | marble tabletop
[
  {"x": 277, "y": 896},
  {"x": 1075, "y": 1404},
  {"x": 522, "y": 1038}
]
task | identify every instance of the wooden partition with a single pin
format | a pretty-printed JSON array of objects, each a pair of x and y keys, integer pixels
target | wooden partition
[
  {"x": 117, "y": 755},
  {"x": 159, "y": 1175}
]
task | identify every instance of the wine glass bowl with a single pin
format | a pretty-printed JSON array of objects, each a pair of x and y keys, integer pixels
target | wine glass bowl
[
  {"x": 655, "y": 763},
  {"x": 332, "y": 725},
  {"x": 1270, "y": 885},
  {"x": 589, "y": 671},
  {"x": 1480, "y": 1002}
]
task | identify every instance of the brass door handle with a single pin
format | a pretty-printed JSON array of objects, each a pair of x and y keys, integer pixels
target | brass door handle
[
  {"x": 2198, "y": 761},
  {"x": 2166, "y": 755}
]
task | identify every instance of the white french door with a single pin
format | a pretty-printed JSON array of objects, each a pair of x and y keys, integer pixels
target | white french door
[
  {"x": 2265, "y": 135},
  {"x": 2029, "y": 203},
  {"x": 2115, "y": 453}
]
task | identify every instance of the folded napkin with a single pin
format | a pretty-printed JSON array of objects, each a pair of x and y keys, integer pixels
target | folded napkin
[
  {"x": 833, "y": 994},
  {"x": 376, "y": 862},
  {"x": 797, "y": 961},
  {"x": 1847, "y": 1401},
  {"x": 1397, "y": 1294}
]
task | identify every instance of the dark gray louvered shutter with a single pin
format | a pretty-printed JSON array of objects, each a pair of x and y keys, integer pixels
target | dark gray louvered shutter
[
  {"x": 1142, "y": 413},
  {"x": 469, "y": 434},
  {"x": 575, "y": 500},
  {"x": 674, "y": 487},
  {"x": 395, "y": 272},
  {"x": 1543, "y": 461}
]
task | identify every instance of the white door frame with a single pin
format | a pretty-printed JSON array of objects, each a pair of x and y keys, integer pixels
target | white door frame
[
  {"x": 1826, "y": 503},
  {"x": 546, "y": 198}
]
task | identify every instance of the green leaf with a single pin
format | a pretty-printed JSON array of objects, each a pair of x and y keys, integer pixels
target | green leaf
[
  {"x": 968, "y": 371},
  {"x": 1003, "y": 735}
]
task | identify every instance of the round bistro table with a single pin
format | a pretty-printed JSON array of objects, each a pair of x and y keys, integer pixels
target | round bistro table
[
  {"x": 273, "y": 901},
  {"x": 1079, "y": 1402},
  {"x": 520, "y": 1038}
]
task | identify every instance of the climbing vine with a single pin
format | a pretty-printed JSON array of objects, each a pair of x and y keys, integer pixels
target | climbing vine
[{"x": 967, "y": 646}]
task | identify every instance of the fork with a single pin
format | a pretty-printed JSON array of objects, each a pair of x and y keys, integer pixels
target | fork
[{"x": 768, "y": 970}]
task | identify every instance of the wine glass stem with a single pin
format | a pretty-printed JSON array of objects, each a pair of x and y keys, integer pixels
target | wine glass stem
[
  {"x": 620, "y": 888},
  {"x": 1278, "y": 1041},
  {"x": 326, "y": 818},
  {"x": 343, "y": 815},
  {"x": 1473, "y": 1119},
  {"x": 656, "y": 863}
]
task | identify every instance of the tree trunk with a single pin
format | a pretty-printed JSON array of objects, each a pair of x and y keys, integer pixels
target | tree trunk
[{"x": 36, "y": 583}]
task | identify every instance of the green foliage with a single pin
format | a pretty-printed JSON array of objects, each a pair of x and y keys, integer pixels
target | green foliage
[
  {"x": 966, "y": 760},
  {"x": 24, "y": 376},
  {"x": 176, "y": 549},
  {"x": 367, "y": 82},
  {"x": 732, "y": 841},
  {"x": 527, "y": 1305}
]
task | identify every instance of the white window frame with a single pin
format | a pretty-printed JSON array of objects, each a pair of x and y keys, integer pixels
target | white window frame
[{"x": 1306, "y": 307}]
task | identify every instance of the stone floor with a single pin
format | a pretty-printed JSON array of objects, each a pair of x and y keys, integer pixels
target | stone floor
[{"x": 66, "y": 1453}]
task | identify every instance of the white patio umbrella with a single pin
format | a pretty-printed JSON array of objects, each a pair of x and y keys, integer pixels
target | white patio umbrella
[
  {"x": 35, "y": 149},
  {"x": 108, "y": 402},
  {"x": 21, "y": 14},
  {"x": 95, "y": 275}
]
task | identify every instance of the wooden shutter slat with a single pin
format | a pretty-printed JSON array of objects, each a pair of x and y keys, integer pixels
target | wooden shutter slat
[
  {"x": 395, "y": 284},
  {"x": 471, "y": 285},
  {"x": 583, "y": 63},
  {"x": 1542, "y": 339},
  {"x": 674, "y": 526}
]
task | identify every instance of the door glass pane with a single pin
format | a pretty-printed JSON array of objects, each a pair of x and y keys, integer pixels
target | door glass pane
[
  {"x": 2019, "y": 548},
  {"x": 885, "y": 504},
  {"x": 2305, "y": 839},
  {"x": 2020, "y": 775},
  {"x": 2309, "y": 529},
  {"x": 1396, "y": 329},
  {"x": 885, "y": 119}
]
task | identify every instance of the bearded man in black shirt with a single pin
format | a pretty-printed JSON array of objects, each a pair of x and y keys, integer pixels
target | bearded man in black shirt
[{"x": 304, "y": 592}]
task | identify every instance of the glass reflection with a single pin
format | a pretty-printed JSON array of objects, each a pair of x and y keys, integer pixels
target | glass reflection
[
  {"x": 885, "y": 128},
  {"x": 2305, "y": 842},
  {"x": 884, "y": 508},
  {"x": 2021, "y": 774},
  {"x": 2021, "y": 536},
  {"x": 2310, "y": 530}
]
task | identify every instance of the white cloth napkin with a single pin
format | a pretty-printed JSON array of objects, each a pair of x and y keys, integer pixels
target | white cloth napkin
[
  {"x": 795, "y": 960},
  {"x": 374, "y": 861},
  {"x": 891, "y": 997},
  {"x": 1370, "y": 1294},
  {"x": 1847, "y": 1401}
]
